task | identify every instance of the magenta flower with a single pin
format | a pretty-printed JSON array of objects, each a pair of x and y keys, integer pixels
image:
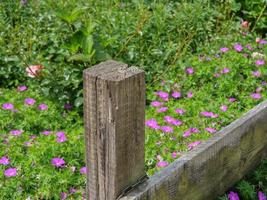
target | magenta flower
[
  {"x": 233, "y": 196},
  {"x": 189, "y": 70},
  {"x": 57, "y": 162},
  {"x": 209, "y": 114},
  {"x": 259, "y": 62},
  {"x": 187, "y": 133},
  {"x": 174, "y": 154},
  {"x": 162, "y": 164},
  {"x": 162, "y": 109},
  {"x": 256, "y": 95},
  {"x": 163, "y": 95},
  {"x": 224, "y": 108},
  {"x": 176, "y": 95},
  {"x": 22, "y": 88},
  {"x": 16, "y": 132},
  {"x": 225, "y": 70},
  {"x": 180, "y": 111},
  {"x": 152, "y": 123},
  {"x": 29, "y": 101},
  {"x": 46, "y": 132},
  {"x": 63, "y": 195},
  {"x": 193, "y": 144},
  {"x": 172, "y": 121},
  {"x": 224, "y": 49},
  {"x": 194, "y": 130},
  {"x": 232, "y": 99},
  {"x": 72, "y": 190},
  {"x": 4, "y": 160},
  {"x": 261, "y": 196},
  {"x": 156, "y": 104},
  {"x": 8, "y": 106},
  {"x": 238, "y": 47},
  {"x": 210, "y": 130},
  {"x": 262, "y": 41},
  {"x": 166, "y": 129},
  {"x": 256, "y": 73},
  {"x": 27, "y": 144},
  {"x": 61, "y": 137},
  {"x": 10, "y": 172},
  {"x": 42, "y": 107},
  {"x": 249, "y": 47},
  {"x": 83, "y": 170},
  {"x": 189, "y": 95}
]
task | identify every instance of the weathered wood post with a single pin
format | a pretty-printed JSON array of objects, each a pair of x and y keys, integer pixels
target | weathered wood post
[{"x": 114, "y": 117}]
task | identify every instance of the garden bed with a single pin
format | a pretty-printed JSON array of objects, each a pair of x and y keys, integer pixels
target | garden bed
[{"x": 215, "y": 165}]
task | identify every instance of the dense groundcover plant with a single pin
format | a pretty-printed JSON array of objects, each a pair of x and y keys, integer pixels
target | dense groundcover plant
[
  {"x": 42, "y": 144},
  {"x": 41, "y": 149}
]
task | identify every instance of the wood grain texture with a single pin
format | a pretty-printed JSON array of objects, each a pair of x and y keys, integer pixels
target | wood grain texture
[
  {"x": 212, "y": 167},
  {"x": 114, "y": 117}
]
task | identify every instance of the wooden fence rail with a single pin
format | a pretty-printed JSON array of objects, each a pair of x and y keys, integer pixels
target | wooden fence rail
[{"x": 114, "y": 116}]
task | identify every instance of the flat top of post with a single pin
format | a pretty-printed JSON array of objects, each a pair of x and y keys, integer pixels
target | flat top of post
[{"x": 112, "y": 70}]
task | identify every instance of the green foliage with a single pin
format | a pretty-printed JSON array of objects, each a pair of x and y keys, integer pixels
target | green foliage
[
  {"x": 68, "y": 36},
  {"x": 253, "y": 11},
  {"x": 31, "y": 152}
]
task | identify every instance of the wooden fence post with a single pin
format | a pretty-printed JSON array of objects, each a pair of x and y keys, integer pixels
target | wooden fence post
[{"x": 114, "y": 117}]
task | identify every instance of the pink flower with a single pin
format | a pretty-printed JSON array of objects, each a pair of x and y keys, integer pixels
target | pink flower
[
  {"x": 172, "y": 121},
  {"x": 225, "y": 70},
  {"x": 256, "y": 73},
  {"x": 259, "y": 62},
  {"x": 63, "y": 195},
  {"x": 187, "y": 133},
  {"x": 46, "y": 132},
  {"x": 33, "y": 71},
  {"x": 224, "y": 108},
  {"x": 193, "y": 144},
  {"x": 162, "y": 109},
  {"x": 162, "y": 164},
  {"x": 57, "y": 162},
  {"x": 232, "y": 99},
  {"x": 256, "y": 95},
  {"x": 83, "y": 170},
  {"x": 189, "y": 95},
  {"x": 233, "y": 196},
  {"x": 10, "y": 172},
  {"x": 163, "y": 95},
  {"x": 22, "y": 88},
  {"x": 166, "y": 129},
  {"x": 61, "y": 137},
  {"x": 209, "y": 114},
  {"x": 179, "y": 111},
  {"x": 176, "y": 95},
  {"x": 8, "y": 106},
  {"x": 261, "y": 196},
  {"x": 245, "y": 24},
  {"x": 42, "y": 107},
  {"x": 174, "y": 154},
  {"x": 224, "y": 49},
  {"x": 238, "y": 47},
  {"x": 152, "y": 123},
  {"x": 210, "y": 130},
  {"x": 249, "y": 47},
  {"x": 16, "y": 132},
  {"x": 29, "y": 101},
  {"x": 4, "y": 160},
  {"x": 156, "y": 103},
  {"x": 189, "y": 70}
]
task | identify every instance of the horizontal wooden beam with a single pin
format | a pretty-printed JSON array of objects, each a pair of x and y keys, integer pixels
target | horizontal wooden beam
[{"x": 212, "y": 167}]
